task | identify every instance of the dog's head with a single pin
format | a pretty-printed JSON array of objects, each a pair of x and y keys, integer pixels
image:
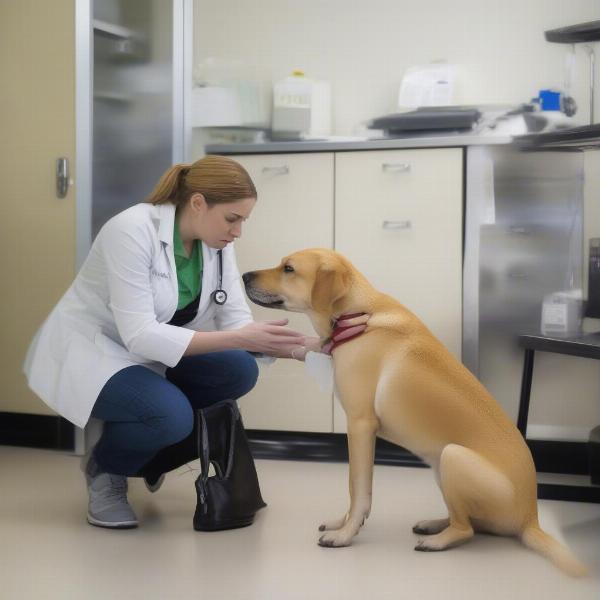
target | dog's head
[{"x": 308, "y": 280}]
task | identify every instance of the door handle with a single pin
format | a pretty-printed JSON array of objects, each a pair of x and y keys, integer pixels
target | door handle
[
  {"x": 517, "y": 230},
  {"x": 62, "y": 177}
]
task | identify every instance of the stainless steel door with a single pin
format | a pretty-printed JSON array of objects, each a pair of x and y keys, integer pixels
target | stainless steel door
[
  {"x": 523, "y": 241},
  {"x": 134, "y": 100},
  {"x": 132, "y": 92}
]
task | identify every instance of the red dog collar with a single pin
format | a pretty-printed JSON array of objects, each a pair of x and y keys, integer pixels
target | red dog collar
[{"x": 343, "y": 333}]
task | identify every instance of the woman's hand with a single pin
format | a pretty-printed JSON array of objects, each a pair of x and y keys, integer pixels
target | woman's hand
[
  {"x": 299, "y": 351},
  {"x": 270, "y": 337}
]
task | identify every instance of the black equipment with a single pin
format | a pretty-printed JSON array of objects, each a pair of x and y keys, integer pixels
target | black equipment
[{"x": 427, "y": 119}]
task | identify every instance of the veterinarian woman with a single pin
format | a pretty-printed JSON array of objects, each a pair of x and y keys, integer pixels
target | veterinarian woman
[{"x": 154, "y": 326}]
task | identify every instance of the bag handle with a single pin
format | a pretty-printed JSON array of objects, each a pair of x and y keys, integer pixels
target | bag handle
[
  {"x": 202, "y": 442},
  {"x": 202, "y": 437}
]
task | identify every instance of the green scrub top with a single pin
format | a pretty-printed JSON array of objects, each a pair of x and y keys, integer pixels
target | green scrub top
[{"x": 189, "y": 269}]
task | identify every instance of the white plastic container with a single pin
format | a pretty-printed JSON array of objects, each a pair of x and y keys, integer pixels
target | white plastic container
[
  {"x": 301, "y": 108},
  {"x": 215, "y": 106},
  {"x": 562, "y": 313}
]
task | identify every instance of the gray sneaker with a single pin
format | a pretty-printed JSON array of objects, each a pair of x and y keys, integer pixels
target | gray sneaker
[{"x": 108, "y": 506}]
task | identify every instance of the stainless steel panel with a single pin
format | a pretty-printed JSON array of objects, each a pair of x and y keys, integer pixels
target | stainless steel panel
[
  {"x": 132, "y": 102},
  {"x": 523, "y": 241}
]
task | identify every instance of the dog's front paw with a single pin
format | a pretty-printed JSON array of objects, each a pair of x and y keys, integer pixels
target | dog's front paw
[
  {"x": 423, "y": 546},
  {"x": 334, "y": 524},
  {"x": 336, "y": 539}
]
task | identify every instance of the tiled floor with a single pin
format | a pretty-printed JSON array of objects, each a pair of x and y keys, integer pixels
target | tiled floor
[{"x": 48, "y": 551}]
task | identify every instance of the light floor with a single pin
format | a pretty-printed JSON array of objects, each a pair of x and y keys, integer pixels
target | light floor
[{"x": 48, "y": 551}]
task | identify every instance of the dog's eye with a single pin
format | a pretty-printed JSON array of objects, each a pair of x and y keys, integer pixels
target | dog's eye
[{"x": 288, "y": 269}]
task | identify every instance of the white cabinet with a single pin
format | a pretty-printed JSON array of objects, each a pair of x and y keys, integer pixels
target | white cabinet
[
  {"x": 398, "y": 218},
  {"x": 294, "y": 211}
]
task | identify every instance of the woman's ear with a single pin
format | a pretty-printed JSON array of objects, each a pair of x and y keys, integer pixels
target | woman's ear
[
  {"x": 198, "y": 202},
  {"x": 331, "y": 283}
]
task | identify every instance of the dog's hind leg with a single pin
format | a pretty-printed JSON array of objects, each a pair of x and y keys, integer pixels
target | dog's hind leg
[
  {"x": 472, "y": 488},
  {"x": 431, "y": 527},
  {"x": 361, "y": 447}
]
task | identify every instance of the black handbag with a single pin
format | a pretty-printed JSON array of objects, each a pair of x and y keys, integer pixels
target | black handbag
[{"x": 231, "y": 497}]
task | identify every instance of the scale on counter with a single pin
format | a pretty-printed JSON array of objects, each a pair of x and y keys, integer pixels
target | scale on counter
[{"x": 427, "y": 119}]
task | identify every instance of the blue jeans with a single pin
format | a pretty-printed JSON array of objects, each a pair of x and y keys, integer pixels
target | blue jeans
[{"x": 144, "y": 412}]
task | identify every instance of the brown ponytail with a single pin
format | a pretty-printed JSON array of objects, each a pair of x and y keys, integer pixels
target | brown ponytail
[{"x": 218, "y": 178}]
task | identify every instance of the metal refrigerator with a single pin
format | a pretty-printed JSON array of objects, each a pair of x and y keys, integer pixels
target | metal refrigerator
[
  {"x": 133, "y": 74},
  {"x": 138, "y": 100},
  {"x": 523, "y": 240}
]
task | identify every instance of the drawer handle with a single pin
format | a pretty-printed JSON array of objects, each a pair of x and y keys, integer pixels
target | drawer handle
[
  {"x": 397, "y": 225},
  {"x": 395, "y": 167},
  {"x": 277, "y": 170},
  {"x": 517, "y": 230}
]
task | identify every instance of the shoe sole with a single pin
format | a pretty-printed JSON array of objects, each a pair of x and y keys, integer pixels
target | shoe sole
[
  {"x": 112, "y": 524},
  {"x": 155, "y": 486}
]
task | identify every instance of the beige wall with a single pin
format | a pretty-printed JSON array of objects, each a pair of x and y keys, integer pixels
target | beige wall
[{"x": 364, "y": 47}]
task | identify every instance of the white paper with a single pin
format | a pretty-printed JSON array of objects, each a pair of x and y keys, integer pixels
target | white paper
[
  {"x": 427, "y": 85},
  {"x": 319, "y": 366}
]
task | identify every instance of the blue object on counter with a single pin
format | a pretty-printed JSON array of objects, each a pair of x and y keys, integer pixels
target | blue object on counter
[{"x": 549, "y": 100}]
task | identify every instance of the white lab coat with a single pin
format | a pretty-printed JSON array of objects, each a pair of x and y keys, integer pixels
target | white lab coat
[{"x": 115, "y": 313}]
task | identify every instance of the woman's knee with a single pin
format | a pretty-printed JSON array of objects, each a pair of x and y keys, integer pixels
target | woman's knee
[
  {"x": 244, "y": 371},
  {"x": 174, "y": 425}
]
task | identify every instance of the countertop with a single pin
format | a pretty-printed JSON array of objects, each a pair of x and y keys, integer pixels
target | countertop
[{"x": 341, "y": 144}]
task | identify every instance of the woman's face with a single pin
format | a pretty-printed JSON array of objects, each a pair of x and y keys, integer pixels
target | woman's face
[{"x": 219, "y": 224}]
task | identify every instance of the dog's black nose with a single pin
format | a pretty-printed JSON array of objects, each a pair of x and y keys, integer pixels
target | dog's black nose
[{"x": 248, "y": 277}]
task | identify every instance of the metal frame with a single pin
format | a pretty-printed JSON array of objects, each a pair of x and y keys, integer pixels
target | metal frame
[
  {"x": 183, "y": 29},
  {"x": 83, "y": 127},
  {"x": 83, "y": 147}
]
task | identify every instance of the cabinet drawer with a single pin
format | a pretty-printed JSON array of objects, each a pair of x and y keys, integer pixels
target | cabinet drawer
[
  {"x": 294, "y": 211},
  {"x": 294, "y": 208},
  {"x": 399, "y": 219}
]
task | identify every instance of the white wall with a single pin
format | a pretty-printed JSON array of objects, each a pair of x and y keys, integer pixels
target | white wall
[{"x": 364, "y": 47}]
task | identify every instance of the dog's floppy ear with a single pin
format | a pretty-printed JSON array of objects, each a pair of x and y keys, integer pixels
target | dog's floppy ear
[{"x": 331, "y": 283}]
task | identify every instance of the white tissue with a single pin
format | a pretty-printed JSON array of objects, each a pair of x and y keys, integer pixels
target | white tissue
[
  {"x": 319, "y": 367},
  {"x": 264, "y": 361}
]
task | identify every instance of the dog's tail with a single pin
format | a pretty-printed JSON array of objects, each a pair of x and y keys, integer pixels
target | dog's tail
[{"x": 533, "y": 537}]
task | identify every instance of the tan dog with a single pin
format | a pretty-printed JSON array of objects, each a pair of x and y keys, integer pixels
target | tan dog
[{"x": 398, "y": 382}]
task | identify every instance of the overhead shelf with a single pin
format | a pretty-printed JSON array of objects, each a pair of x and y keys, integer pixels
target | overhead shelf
[
  {"x": 114, "y": 31},
  {"x": 575, "y": 34},
  {"x": 586, "y": 137}
]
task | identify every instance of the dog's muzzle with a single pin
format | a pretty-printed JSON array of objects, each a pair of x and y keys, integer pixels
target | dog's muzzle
[{"x": 259, "y": 296}]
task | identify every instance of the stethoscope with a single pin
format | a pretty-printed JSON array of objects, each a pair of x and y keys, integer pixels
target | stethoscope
[{"x": 219, "y": 296}]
